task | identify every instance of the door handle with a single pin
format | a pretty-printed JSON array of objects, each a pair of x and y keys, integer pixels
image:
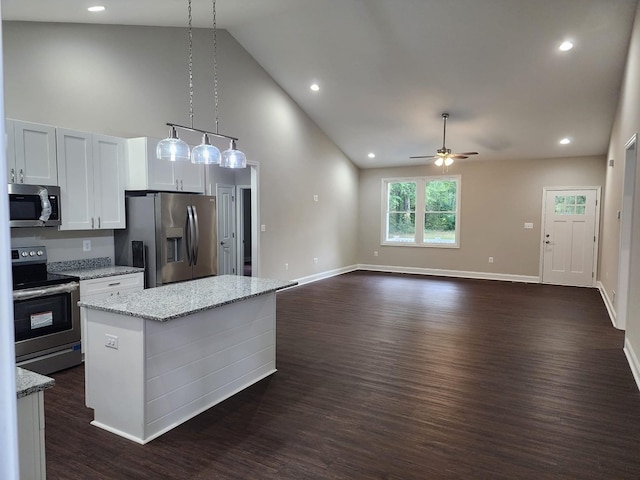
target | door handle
[
  {"x": 547, "y": 241},
  {"x": 223, "y": 243},
  {"x": 194, "y": 214}
]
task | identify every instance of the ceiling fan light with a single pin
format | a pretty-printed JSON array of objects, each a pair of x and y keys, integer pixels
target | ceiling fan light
[
  {"x": 205, "y": 153},
  {"x": 439, "y": 162},
  {"x": 233, "y": 158},
  {"x": 172, "y": 148},
  {"x": 448, "y": 161}
]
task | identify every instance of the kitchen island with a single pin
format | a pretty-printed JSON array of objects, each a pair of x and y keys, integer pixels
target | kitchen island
[{"x": 161, "y": 356}]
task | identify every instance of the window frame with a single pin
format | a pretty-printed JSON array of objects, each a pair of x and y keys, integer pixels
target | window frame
[{"x": 420, "y": 211}]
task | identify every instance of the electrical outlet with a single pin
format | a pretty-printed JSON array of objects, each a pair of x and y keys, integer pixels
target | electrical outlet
[
  {"x": 315, "y": 259},
  {"x": 86, "y": 245},
  {"x": 315, "y": 198},
  {"x": 263, "y": 228},
  {"x": 490, "y": 259},
  {"x": 111, "y": 341},
  {"x": 375, "y": 253},
  {"x": 528, "y": 225},
  {"x": 286, "y": 266}
]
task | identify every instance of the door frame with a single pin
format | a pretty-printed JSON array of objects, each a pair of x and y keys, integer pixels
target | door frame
[
  {"x": 596, "y": 246},
  {"x": 240, "y": 228},
  {"x": 621, "y": 300}
]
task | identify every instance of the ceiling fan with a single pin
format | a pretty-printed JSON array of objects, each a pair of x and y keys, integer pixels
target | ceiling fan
[{"x": 444, "y": 155}]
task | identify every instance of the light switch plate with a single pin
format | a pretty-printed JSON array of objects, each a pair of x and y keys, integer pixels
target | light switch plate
[{"x": 528, "y": 225}]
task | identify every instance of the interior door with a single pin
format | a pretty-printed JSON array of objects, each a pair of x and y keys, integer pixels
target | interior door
[
  {"x": 204, "y": 209},
  {"x": 569, "y": 237},
  {"x": 226, "y": 229}
]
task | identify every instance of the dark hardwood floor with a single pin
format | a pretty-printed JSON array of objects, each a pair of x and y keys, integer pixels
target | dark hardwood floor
[{"x": 386, "y": 376}]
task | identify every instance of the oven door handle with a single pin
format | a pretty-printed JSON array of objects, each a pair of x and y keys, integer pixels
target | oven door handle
[{"x": 44, "y": 291}]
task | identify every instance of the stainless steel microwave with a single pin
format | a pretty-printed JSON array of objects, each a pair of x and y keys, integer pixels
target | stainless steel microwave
[{"x": 34, "y": 205}]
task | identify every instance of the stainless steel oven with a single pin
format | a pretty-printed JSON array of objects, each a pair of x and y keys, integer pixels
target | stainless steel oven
[{"x": 46, "y": 313}]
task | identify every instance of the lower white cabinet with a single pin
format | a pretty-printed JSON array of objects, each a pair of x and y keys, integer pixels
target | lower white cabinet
[
  {"x": 107, "y": 287},
  {"x": 32, "y": 460}
]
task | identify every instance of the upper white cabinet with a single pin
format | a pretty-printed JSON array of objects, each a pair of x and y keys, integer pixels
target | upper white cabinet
[
  {"x": 92, "y": 173},
  {"x": 31, "y": 153},
  {"x": 146, "y": 172}
]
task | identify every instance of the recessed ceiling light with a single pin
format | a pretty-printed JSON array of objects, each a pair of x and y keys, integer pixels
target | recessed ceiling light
[
  {"x": 372, "y": 155},
  {"x": 565, "y": 46},
  {"x": 565, "y": 141},
  {"x": 315, "y": 87},
  {"x": 97, "y": 8}
]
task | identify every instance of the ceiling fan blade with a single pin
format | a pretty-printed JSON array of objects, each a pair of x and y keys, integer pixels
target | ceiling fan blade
[
  {"x": 428, "y": 157},
  {"x": 457, "y": 156},
  {"x": 465, "y": 153}
]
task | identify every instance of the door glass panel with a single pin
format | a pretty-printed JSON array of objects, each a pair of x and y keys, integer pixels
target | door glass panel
[{"x": 570, "y": 205}]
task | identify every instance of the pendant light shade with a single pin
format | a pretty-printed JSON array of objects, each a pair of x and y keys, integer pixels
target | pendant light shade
[
  {"x": 205, "y": 153},
  {"x": 233, "y": 158},
  {"x": 172, "y": 148}
]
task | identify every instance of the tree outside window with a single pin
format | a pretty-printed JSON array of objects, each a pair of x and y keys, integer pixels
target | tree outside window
[{"x": 437, "y": 197}]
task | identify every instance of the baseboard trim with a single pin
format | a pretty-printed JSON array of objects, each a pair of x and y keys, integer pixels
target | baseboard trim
[
  {"x": 327, "y": 274},
  {"x": 632, "y": 358},
  {"x": 506, "y": 277},
  {"x": 608, "y": 304}
]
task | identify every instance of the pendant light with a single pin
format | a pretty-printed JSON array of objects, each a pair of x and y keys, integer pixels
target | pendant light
[
  {"x": 174, "y": 149},
  {"x": 233, "y": 158}
]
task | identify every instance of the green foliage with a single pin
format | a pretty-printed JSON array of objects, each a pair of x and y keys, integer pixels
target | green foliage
[
  {"x": 440, "y": 197},
  {"x": 402, "y": 206}
]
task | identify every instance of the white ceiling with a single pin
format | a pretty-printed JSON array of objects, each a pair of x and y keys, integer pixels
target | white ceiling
[{"x": 389, "y": 68}]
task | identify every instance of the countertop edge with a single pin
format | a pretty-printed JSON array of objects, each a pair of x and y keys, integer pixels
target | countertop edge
[{"x": 28, "y": 382}]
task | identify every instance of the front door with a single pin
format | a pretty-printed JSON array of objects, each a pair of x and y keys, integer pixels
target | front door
[
  {"x": 226, "y": 229},
  {"x": 569, "y": 237}
]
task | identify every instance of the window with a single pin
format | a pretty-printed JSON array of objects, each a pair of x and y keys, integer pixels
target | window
[
  {"x": 571, "y": 205},
  {"x": 423, "y": 211}
]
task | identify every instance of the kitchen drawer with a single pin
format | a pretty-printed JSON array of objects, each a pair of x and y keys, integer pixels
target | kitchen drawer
[{"x": 116, "y": 283}]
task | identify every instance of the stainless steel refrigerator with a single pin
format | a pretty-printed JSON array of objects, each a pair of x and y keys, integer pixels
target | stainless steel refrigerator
[{"x": 178, "y": 234}]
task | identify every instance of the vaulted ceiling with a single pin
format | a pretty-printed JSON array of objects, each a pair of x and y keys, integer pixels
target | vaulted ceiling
[{"x": 388, "y": 69}]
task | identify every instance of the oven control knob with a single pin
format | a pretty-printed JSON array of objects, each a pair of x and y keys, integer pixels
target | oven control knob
[
  {"x": 24, "y": 254},
  {"x": 32, "y": 253},
  {"x": 39, "y": 253}
]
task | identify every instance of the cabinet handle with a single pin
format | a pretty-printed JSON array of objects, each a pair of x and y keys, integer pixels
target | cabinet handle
[
  {"x": 98, "y": 222},
  {"x": 91, "y": 222},
  {"x": 181, "y": 186},
  {"x": 21, "y": 176},
  {"x": 114, "y": 284},
  {"x": 177, "y": 186},
  {"x": 13, "y": 175}
]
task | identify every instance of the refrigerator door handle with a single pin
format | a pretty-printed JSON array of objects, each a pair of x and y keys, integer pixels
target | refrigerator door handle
[
  {"x": 196, "y": 239},
  {"x": 189, "y": 235}
]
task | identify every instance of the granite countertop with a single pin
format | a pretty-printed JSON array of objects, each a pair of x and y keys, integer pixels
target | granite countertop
[
  {"x": 90, "y": 268},
  {"x": 28, "y": 382},
  {"x": 100, "y": 272},
  {"x": 185, "y": 298}
]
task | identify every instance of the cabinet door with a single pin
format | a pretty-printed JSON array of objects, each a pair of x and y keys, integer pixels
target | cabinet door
[
  {"x": 75, "y": 173},
  {"x": 11, "y": 150},
  {"x": 190, "y": 177},
  {"x": 35, "y": 153},
  {"x": 160, "y": 172},
  {"x": 109, "y": 171}
]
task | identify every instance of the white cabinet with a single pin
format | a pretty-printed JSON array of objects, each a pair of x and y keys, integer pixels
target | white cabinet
[
  {"x": 92, "y": 173},
  {"x": 107, "y": 287},
  {"x": 146, "y": 172},
  {"x": 30, "y": 411},
  {"x": 31, "y": 153}
]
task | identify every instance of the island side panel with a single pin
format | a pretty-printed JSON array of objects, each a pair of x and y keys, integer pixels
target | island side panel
[
  {"x": 195, "y": 362},
  {"x": 115, "y": 387}
]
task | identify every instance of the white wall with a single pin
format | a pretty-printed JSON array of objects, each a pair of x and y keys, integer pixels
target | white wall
[
  {"x": 129, "y": 81},
  {"x": 627, "y": 123}
]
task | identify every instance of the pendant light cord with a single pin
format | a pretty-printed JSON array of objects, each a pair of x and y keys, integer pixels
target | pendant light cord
[
  {"x": 190, "y": 67},
  {"x": 215, "y": 65}
]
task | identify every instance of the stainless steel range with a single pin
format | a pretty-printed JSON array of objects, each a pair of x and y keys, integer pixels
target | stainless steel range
[{"x": 46, "y": 313}]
